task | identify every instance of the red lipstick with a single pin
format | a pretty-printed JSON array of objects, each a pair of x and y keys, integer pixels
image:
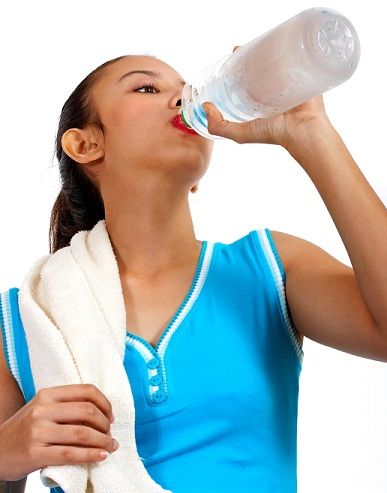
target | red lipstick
[{"x": 177, "y": 122}]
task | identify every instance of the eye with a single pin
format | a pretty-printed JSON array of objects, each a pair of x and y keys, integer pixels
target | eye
[{"x": 148, "y": 85}]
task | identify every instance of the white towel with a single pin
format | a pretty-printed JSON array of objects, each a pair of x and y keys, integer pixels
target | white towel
[{"x": 73, "y": 311}]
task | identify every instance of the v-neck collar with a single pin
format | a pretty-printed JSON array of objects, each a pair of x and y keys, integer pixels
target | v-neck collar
[{"x": 186, "y": 305}]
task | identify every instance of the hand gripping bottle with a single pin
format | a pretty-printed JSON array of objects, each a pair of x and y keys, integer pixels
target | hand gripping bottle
[{"x": 310, "y": 53}]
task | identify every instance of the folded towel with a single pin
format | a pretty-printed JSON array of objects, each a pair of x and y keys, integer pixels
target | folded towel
[{"x": 73, "y": 312}]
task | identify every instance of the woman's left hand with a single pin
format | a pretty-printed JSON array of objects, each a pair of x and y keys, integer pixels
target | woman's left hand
[{"x": 280, "y": 129}]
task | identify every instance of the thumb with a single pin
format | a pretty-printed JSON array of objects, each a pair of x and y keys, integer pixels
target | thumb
[{"x": 217, "y": 125}]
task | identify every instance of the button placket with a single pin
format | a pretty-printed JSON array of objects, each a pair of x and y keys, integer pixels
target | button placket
[{"x": 156, "y": 380}]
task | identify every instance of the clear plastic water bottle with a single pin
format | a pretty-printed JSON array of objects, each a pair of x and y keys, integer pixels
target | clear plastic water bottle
[{"x": 310, "y": 53}]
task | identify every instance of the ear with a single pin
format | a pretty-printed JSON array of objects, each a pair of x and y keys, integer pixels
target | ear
[{"x": 83, "y": 145}]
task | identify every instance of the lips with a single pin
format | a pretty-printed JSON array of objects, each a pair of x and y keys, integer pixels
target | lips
[{"x": 177, "y": 122}]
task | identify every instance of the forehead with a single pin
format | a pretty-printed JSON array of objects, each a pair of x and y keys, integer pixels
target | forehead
[{"x": 112, "y": 73}]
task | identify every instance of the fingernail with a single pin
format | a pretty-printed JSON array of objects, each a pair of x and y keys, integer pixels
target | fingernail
[{"x": 112, "y": 418}]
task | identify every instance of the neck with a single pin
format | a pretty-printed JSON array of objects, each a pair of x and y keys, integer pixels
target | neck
[{"x": 151, "y": 235}]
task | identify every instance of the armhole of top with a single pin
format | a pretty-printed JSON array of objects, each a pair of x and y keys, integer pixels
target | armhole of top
[
  {"x": 278, "y": 273},
  {"x": 15, "y": 343},
  {"x": 8, "y": 336}
]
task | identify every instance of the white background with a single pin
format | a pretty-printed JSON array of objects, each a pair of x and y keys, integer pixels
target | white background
[{"x": 49, "y": 47}]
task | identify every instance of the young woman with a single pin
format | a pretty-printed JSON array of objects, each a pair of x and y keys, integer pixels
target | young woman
[{"x": 220, "y": 412}]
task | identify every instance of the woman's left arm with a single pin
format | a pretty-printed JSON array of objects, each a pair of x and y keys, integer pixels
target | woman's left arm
[{"x": 329, "y": 302}]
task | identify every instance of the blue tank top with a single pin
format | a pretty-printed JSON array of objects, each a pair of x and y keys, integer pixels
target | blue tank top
[{"x": 216, "y": 398}]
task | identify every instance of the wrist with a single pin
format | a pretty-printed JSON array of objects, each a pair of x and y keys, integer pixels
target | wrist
[
  {"x": 315, "y": 132},
  {"x": 311, "y": 144}
]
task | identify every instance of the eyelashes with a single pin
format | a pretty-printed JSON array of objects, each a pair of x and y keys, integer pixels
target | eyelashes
[{"x": 148, "y": 85}]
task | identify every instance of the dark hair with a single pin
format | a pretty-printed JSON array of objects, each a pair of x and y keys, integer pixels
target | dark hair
[{"x": 79, "y": 205}]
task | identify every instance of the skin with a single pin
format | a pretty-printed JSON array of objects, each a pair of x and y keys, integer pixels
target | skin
[{"x": 145, "y": 167}]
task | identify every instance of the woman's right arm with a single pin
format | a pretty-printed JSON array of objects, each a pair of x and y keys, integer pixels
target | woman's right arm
[
  {"x": 66, "y": 424},
  {"x": 11, "y": 401}
]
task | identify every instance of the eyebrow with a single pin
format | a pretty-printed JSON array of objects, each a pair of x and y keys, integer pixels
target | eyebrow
[{"x": 147, "y": 72}]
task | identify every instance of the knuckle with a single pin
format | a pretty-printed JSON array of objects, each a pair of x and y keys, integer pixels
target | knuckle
[
  {"x": 89, "y": 409},
  {"x": 103, "y": 426},
  {"x": 81, "y": 434},
  {"x": 36, "y": 413},
  {"x": 41, "y": 394},
  {"x": 90, "y": 388},
  {"x": 211, "y": 127},
  {"x": 92, "y": 455},
  {"x": 67, "y": 454}
]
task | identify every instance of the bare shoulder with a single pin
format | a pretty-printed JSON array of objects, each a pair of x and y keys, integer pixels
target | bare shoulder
[
  {"x": 287, "y": 245},
  {"x": 13, "y": 398},
  {"x": 296, "y": 251}
]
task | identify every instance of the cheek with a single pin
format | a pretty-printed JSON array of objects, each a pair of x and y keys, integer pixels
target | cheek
[
  {"x": 131, "y": 130},
  {"x": 125, "y": 116},
  {"x": 136, "y": 122}
]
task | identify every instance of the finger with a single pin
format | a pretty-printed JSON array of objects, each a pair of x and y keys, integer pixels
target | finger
[
  {"x": 78, "y": 392},
  {"x": 217, "y": 125},
  {"x": 58, "y": 455},
  {"x": 79, "y": 413},
  {"x": 76, "y": 435}
]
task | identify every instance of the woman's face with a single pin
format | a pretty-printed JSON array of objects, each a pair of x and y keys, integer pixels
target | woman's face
[{"x": 140, "y": 143}]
